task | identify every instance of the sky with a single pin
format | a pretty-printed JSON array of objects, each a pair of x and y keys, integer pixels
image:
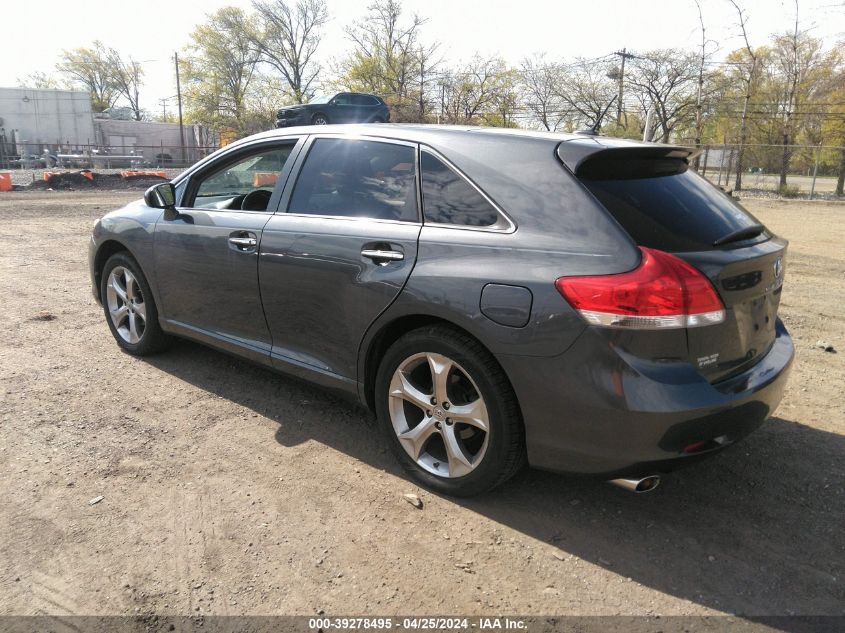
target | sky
[{"x": 514, "y": 29}]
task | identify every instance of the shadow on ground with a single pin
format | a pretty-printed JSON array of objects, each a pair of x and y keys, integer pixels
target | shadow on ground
[{"x": 757, "y": 530}]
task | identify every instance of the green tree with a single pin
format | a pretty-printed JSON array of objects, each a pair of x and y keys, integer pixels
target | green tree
[
  {"x": 90, "y": 67},
  {"x": 40, "y": 81},
  {"x": 389, "y": 59},
  {"x": 219, "y": 70}
]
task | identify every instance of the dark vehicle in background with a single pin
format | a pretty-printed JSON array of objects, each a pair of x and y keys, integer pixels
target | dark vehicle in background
[
  {"x": 341, "y": 107},
  {"x": 497, "y": 297}
]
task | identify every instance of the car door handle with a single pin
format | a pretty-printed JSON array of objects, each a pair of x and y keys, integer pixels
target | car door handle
[
  {"x": 383, "y": 257},
  {"x": 243, "y": 242}
]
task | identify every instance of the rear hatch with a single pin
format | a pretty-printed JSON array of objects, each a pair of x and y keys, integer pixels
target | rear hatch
[{"x": 664, "y": 205}]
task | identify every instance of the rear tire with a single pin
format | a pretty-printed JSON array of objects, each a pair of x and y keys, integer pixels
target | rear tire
[
  {"x": 129, "y": 307},
  {"x": 446, "y": 397}
]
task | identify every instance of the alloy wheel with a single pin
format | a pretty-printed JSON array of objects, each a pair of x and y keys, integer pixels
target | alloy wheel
[
  {"x": 320, "y": 120},
  {"x": 439, "y": 415},
  {"x": 125, "y": 301}
]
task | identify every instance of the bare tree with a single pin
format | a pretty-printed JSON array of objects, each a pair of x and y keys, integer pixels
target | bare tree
[
  {"x": 665, "y": 81},
  {"x": 477, "y": 88},
  {"x": 287, "y": 38},
  {"x": 797, "y": 56},
  {"x": 127, "y": 78},
  {"x": 389, "y": 58},
  {"x": 587, "y": 89},
  {"x": 748, "y": 78},
  {"x": 541, "y": 87},
  {"x": 39, "y": 81}
]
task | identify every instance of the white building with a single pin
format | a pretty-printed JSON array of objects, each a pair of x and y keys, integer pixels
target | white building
[
  {"x": 40, "y": 119},
  {"x": 60, "y": 122}
]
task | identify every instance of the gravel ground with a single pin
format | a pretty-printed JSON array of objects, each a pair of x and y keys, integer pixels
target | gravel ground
[{"x": 194, "y": 483}]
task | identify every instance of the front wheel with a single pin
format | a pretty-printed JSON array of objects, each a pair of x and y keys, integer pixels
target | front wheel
[
  {"x": 449, "y": 412},
  {"x": 320, "y": 119},
  {"x": 129, "y": 307}
]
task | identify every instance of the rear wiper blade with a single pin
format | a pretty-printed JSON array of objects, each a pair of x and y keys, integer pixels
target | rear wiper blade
[{"x": 744, "y": 233}]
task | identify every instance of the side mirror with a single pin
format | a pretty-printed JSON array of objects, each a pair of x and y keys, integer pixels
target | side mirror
[{"x": 162, "y": 196}]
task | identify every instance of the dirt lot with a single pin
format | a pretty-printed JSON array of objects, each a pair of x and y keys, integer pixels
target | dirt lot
[{"x": 229, "y": 489}]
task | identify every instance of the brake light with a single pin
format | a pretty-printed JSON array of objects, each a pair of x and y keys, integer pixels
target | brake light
[{"x": 662, "y": 292}]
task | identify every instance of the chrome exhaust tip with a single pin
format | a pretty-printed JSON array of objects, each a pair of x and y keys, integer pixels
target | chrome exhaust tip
[{"x": 645, "y": 484}]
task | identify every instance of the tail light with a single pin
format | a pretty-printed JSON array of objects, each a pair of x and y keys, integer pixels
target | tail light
[{"x": 662, "y": 292}]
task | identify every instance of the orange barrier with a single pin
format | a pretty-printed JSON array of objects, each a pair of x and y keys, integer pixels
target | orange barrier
[
  {"x": 5, "y": 181},
  {"x": 141, "y": 174},
  {"x": 264, "y": 179},
  {"x": 85, "y": 173}
]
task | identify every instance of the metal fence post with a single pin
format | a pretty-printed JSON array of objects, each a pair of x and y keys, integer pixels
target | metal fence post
[{"x": 815, "y": 171}]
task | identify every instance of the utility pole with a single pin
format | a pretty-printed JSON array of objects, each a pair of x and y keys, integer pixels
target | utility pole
[
  {"x": 179, "y": 98},
  {"x": 422, "y": 87},
  {"x": 699, "y": 114},
  {"x": 624, "y": 54},
  {"x": 163, "y": 109}
]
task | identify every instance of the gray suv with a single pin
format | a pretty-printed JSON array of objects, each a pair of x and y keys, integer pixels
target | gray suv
[
  {"x": 340, "y": 107},
  {"x": 496, "y": 297}
]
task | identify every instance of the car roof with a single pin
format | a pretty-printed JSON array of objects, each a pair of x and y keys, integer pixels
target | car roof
[{"x": 573, "y": 149}]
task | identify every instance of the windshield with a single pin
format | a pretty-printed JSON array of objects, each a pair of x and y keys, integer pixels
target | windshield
[{"x": 321, "y": 99}]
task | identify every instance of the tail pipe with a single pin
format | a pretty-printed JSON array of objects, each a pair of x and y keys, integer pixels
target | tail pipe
[{"x": 644, "y": 484}]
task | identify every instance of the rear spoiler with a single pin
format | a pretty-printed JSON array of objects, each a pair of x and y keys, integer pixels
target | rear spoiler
[{"x": 578, "y": 153}]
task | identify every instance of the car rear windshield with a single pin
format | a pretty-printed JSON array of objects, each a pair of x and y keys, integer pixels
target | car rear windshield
[{"x": 663, "y": 204}]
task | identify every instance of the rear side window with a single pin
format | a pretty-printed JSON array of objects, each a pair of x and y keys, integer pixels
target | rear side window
[
  {"x": 449, "y": 199},
  {"x": 663, "y": 205},
  {"x": 355, "y": 178},
  {"x": 363, "y": 100}
]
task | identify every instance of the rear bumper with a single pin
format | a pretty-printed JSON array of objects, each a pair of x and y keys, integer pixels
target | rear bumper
[{"x": 597, "y": 410}]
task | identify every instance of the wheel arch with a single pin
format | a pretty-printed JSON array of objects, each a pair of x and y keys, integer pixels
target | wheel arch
[
  {"x": 105, "y": 250},
  {"x": 388, "y": 333}
]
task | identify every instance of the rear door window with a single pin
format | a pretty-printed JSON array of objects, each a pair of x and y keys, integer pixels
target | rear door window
[
  {"x": 449, "y": 199},
  {"x": 357, "y": 178},
  {"x": 664, "y": 205}
]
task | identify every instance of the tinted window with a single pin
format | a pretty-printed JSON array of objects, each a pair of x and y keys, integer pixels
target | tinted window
[
  {"x": 225, "y": 188},
  {"x": 357, "y": 178},
  {"x": 341, "y": 99},
  {"x": 678, "y": 212},
  {"x": 449, "y": 199},
  {"x": 363, "y": 100}
]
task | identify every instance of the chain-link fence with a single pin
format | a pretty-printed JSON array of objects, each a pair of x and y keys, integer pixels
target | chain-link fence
[
  {"x": 30, "y": 156},
  {"x": 813, "y": 170}
]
